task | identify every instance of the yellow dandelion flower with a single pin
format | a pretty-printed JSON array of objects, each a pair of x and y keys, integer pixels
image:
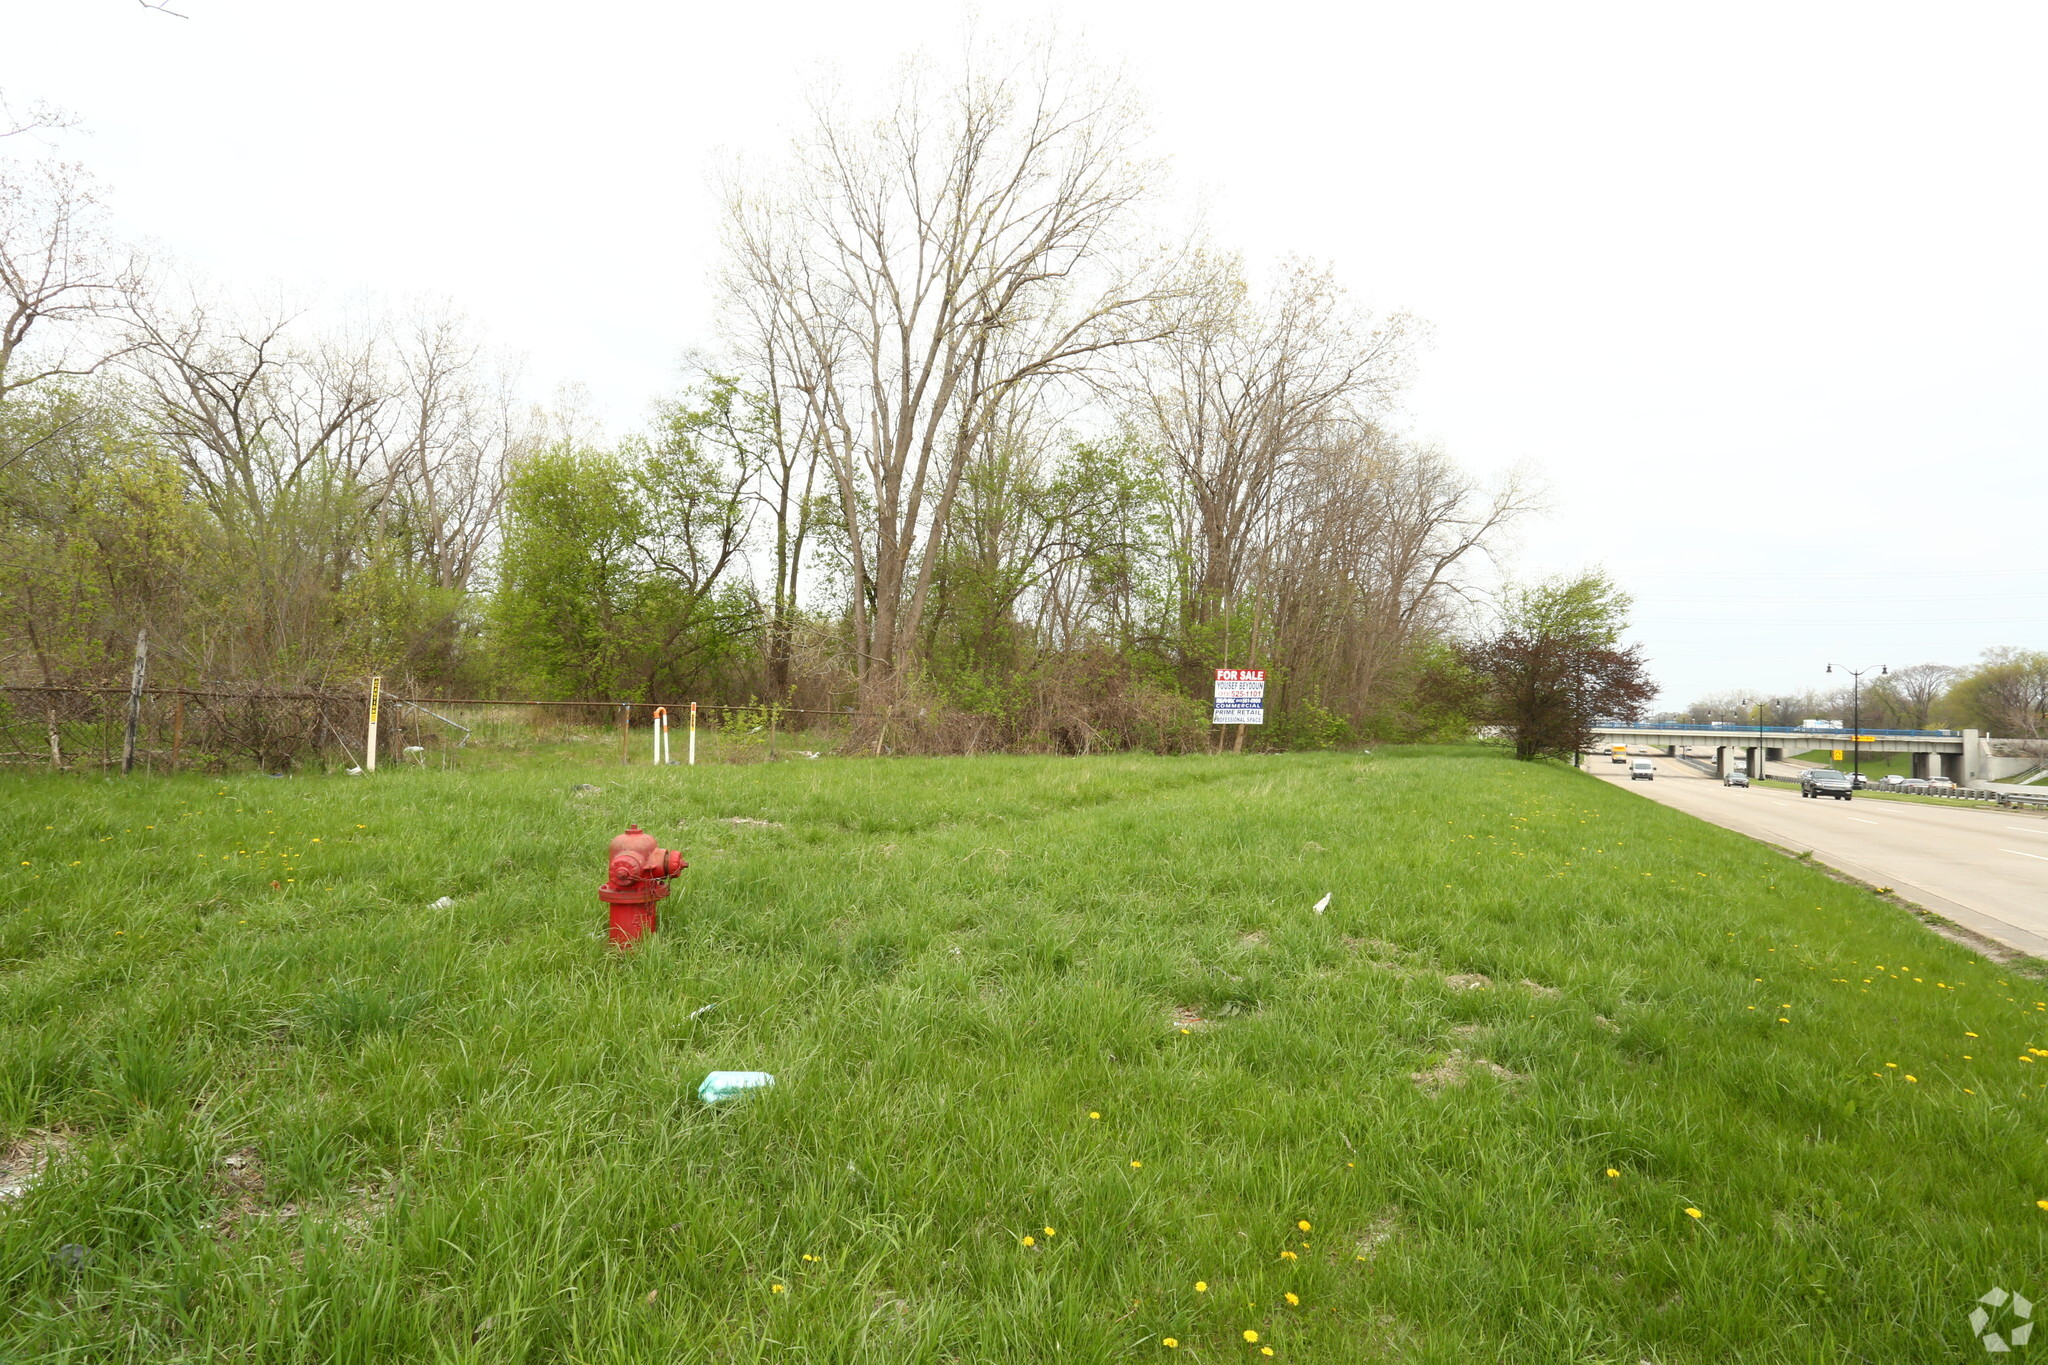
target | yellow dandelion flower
[
  {"x": 1893, "y": 1065},
  {"x": 1613, "y": 1174},
  {"x": 1302, "y": 1224},
  {"x": 1050, "y": 1233},
  {"x": 1289, "y": 1256},
  {"x": 1093, "y": 1114},
  {"x": 1265, "y": 1350},
  {"x": 1694, "y": 1213},
  {"x": 1250, "y": 1335},
  {"x": 1293, "y": 1300},
  {"x": 1135, "y": 1165},
  {"x": 775, "y": 1289},
  {"x": 1202, "y": 1286},
  {"x": 1031, "y": 1241},
  {"x": 2041, "y": 1203},
  {"x": 1169, "y": 1343}
]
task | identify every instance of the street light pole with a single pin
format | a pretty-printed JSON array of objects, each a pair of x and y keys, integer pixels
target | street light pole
[
  {"x": 1856, "y": 716},
  {"x": 1761, "y": 765}
]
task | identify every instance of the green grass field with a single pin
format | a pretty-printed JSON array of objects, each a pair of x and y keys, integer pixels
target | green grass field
[{"x": 1069, "y": 1068}]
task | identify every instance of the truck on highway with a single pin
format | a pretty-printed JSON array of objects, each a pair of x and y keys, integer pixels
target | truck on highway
[{"x": 1619, "y": 752}]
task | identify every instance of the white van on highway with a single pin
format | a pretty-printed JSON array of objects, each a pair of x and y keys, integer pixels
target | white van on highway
[{"x": 1642, "y": 770}]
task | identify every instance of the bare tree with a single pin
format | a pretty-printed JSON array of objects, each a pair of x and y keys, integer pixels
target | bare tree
[
  {"x": 1906, "y": 697},
  {"x": 59, "y": 272},
  {"x": 39, "y": 116},
  {"x": 926, "y": 266},
  {"x": 456, "y": 430},
  {"x": 1378, "y": 555},
  {"x": 1245, "y": 396}
]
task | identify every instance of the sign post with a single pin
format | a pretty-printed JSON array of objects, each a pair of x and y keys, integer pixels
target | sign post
[{"x": 1240, "y": 699}]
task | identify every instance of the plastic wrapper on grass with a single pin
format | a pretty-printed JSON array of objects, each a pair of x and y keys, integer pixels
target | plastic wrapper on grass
[{"x": 724, "y": 1085}]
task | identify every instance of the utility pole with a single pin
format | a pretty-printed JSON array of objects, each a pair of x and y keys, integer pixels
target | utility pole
[{"x": 1856, "y": 717}]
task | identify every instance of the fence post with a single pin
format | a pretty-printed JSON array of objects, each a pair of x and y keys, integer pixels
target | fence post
[
  {"x": 370, "y": 745},
  {"x": 693, "y": 734},
  {"x": 135, "y": 677},
  {"x": 625, "y": 732},
  {"x": 177, "y": 729}
]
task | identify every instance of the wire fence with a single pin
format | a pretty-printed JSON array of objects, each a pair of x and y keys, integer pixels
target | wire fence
[{"x": 222, "y": 727}]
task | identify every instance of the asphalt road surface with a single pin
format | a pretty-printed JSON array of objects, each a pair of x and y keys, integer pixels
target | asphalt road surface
[{"x": 1983, "y": 867}]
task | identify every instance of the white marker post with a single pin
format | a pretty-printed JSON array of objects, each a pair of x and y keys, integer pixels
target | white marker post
[
  {"x": 370, "y": 745},
  {"x": 693, "y": 734},
  {"x": 660, "y": 735}
]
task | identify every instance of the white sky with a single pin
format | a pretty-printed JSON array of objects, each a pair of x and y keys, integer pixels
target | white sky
[{"x": 1759, "y": 290}]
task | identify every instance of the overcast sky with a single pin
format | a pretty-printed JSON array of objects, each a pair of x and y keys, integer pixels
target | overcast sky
[{"x": 1760, "y": 292}]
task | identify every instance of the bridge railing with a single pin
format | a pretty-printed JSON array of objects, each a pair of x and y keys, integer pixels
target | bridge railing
[{"x": 1737, "y": 728}]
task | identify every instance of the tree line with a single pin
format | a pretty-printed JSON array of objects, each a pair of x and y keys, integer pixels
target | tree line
[{"x": 981, "y": 443}]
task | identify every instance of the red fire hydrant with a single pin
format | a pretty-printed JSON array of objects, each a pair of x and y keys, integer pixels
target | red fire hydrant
[{"x": 639, "y": 878}]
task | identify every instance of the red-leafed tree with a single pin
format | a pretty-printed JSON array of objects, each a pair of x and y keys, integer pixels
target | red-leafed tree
[{"x": 1555, "y": 663}]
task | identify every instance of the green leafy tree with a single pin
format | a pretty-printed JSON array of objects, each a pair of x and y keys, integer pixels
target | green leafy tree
[
  {"x": 565, "y": 613},
  {"x": 2007, "y": 694}
]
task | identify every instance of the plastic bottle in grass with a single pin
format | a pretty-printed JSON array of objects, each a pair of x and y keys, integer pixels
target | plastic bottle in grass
[{"x": 723, "y": 1085}]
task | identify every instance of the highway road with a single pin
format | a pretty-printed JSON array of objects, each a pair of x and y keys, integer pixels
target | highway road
[{"x": 1983, "y": 867}]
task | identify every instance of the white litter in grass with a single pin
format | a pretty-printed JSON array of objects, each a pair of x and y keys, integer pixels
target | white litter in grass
[
  {"x": 1324, "y": 903},
  {"x": 445, "y": 903},
  {"x": 355, "y": 772},
  {"x": 703, "y": 1009}
]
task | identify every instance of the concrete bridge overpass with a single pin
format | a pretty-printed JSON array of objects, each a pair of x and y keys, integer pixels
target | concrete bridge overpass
[{"x": 1963, "y": 756}]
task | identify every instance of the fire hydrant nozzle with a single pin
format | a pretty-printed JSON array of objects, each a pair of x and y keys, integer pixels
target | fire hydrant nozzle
[{"x": 639, "y": 878}]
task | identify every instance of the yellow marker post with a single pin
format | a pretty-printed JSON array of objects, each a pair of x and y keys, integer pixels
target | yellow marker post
[{"x": 370, "y": 745}]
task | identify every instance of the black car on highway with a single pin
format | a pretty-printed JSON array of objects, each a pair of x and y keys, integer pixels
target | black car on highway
[{"x": 1819, "y": 782}]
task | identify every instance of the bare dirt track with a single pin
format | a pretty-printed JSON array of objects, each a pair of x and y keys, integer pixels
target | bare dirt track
[{"x": 1984, "y": 868}]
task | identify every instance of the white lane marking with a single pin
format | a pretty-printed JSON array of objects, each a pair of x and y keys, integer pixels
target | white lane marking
[
  {"x": 1861, "y": 821},
  {"x": 2024, "y": 855},
  {"x": 2025, "y": 830}
]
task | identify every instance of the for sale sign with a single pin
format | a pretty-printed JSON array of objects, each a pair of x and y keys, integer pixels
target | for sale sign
[{"x": 1240, "y": 697}]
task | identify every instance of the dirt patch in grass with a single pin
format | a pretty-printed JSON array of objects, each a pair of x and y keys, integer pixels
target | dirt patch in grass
[
  {"x": 1539, "y": 990},
  {"x": 1189, "y": 1019},
  {"x": 1377, "y": 1234},
  {"x": 1469, "y": 981},
  {"x": 242, "y": 1182},
  {"x": 1458, "y": 1070},
  {"x": 25, "y": 1160}
]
